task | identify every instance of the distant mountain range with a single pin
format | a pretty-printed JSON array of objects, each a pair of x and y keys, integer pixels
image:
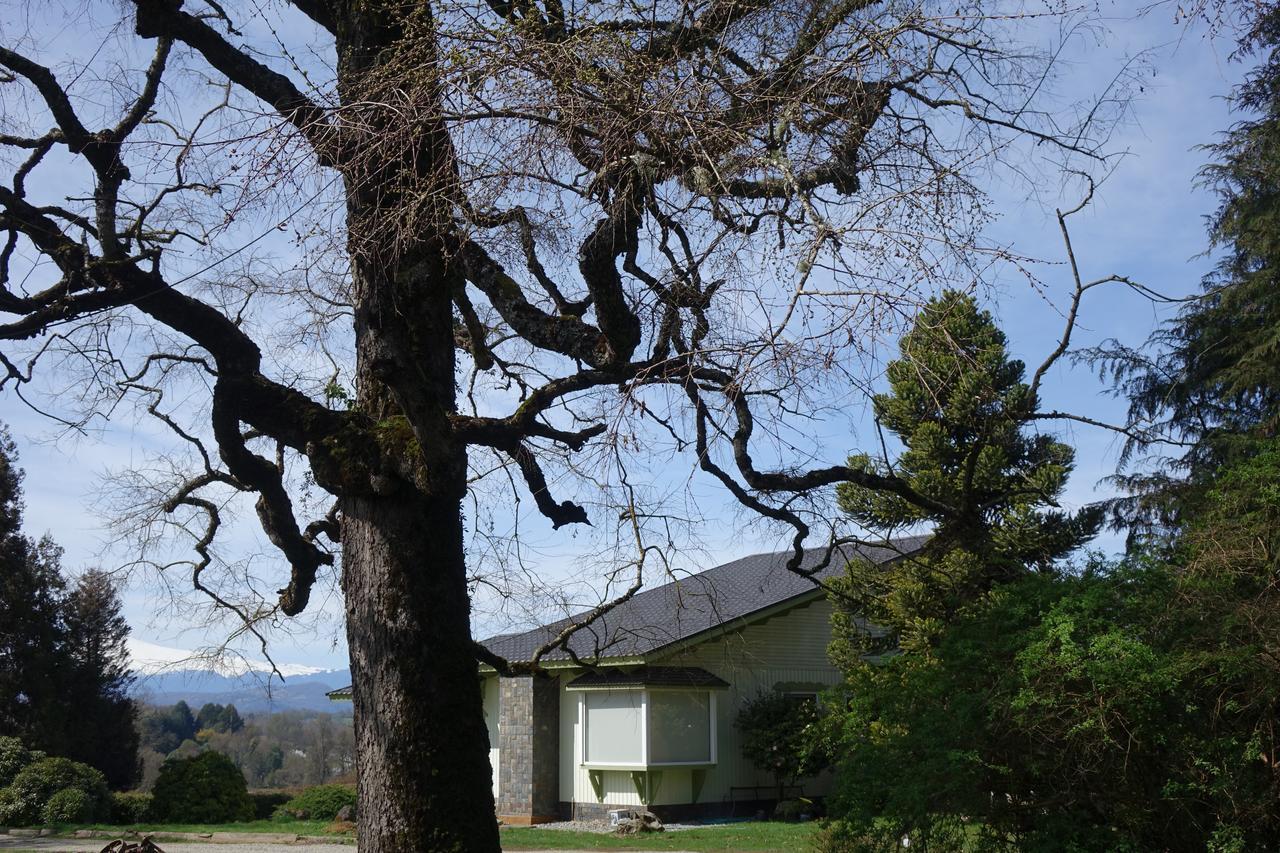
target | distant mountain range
[
  {"x": 250, "y": 692},
  {"x": 166, "y": 674}
]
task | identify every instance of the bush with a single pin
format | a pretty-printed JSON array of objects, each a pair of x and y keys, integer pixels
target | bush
[
  {"x": 781, "y": 736},
  {"x": 323, "y": 802},
  {"x": 24, "y": 800},
  {"x": 206, "y": 788},
  {"x": 265, "y": 803},
  {"x": 130, "y": 808},
  {"x": 70, "y": 805},
  {"x": 14, "y": 756}
]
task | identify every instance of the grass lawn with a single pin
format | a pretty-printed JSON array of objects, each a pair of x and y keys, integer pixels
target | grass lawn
[
  {"x": 777, "y": 837},
  {"x": 290, "y": 827}
]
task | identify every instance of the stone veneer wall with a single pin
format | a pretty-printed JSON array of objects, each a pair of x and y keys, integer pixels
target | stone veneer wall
[{"x": 528, "y": 749}]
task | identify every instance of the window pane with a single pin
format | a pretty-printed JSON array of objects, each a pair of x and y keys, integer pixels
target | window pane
[
  {"x": 613, "y": 727},
  {"x": 679, "y": 727}
]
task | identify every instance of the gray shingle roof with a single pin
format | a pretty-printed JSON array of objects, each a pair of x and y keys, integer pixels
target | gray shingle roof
[{"x": 657, "y": 617}]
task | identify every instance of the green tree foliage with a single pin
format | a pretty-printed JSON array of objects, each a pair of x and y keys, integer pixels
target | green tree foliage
[
  {"x": 24, "y": 800},
  {"x": 1126, "y": 707},
  {"x": 1211, "y": 378},
  {"x": 97, "y": 680},
  {"x": 218, "y": 718},
  {"x": 70, "y": 805},
  {"x": 31, "y": 590},
  {"x": 130, "y": 807},
  {"x": 287, "y": 749},
  {"x": 206, "y": 788},
  {"x": 921, "y": 752},
  {"x": 14, "y": 756},
  {"x": 958, "y": 405},
  {"x": 780, "y": 737},
  {"x": 64, "y": 675},
  {"x": 164, "y": 729}
]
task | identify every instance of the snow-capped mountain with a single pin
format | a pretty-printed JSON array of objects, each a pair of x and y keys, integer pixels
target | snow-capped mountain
[
  {"x": 151, "y": 658},
  {"x": 166, "y": 675}
]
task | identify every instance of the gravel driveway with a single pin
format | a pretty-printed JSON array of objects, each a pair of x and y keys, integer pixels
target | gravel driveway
[
  {"x": 74, "y": 845},
  {"x": 10, "y": 844}
]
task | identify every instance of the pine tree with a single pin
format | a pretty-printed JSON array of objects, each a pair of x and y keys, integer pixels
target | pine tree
[
  {"x": 31, "y": 629},
  {"x": 64, "y": 675},
  {"x": 99, "y": 681},
  {"x": 958, "y": 405}
]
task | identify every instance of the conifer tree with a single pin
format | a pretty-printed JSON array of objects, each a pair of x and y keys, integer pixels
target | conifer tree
[
  {"x": 64, "y": 676},
  {"x": 97, "y": 682},
  {"x": 31, "y": 633},
  {"x": 1208, "y": 383},
  {"x": 958, "y": 405}
]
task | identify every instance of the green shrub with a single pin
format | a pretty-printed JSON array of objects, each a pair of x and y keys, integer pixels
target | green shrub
[
  {"x": 130, "y": 808},
  {"x": 24, "y": 800},
  {"x": 70, "y": 805},
  {"x": 323, "y": 802},
  {"x": 14, "y": 756},
  {"x": 206, "y": 788},
  {"x": 265, "y": 803},
  {"x": 781, "y": 736},
  {"x": 10, "y": 809}
]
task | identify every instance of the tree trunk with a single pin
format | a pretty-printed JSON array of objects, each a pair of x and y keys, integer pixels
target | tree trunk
[{"x": 421, "y": 742}]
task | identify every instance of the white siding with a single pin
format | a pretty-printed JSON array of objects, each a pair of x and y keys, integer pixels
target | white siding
[
  {"x": 789, "y": 650},
  {"x": 490, "y": 696}
]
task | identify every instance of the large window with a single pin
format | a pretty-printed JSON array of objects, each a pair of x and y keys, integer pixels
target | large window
[
  {"x": 615, "y": 722},
  {"x": 679, "y": 727},
  {"x": 643, "y": 727}
]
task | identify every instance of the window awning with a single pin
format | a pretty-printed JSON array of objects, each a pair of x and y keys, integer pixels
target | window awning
[{"x": 689, "y": 677}]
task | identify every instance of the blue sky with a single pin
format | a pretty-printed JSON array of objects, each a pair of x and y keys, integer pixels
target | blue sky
[{"x": 1146, "y": 222}]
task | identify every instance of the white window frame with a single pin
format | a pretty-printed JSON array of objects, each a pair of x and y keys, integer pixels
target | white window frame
[{"x": 644, "y": 763}]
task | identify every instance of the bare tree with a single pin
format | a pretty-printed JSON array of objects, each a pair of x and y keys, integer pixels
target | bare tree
[{"x": 526, "y": 244}]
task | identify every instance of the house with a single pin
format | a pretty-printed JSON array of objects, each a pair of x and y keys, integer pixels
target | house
[{"x": 650, "y": 721}]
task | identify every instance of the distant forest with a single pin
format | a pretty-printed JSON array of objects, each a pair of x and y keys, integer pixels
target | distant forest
[{"x": 287, "y": 749}]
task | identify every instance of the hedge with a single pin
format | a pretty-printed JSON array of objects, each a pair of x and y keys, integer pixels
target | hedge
[
  {"x": 130, "y": 808},
  {"x": 322, "y": 802}
]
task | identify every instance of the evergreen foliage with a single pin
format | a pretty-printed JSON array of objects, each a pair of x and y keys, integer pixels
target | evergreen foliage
[
  {"x": 23, "y": 802},
  {"x": 958, "y": 404},
  {"x": 14, "y": 756},
  {"x": 70, "y": 805},
  {"x": 224, "y": 719},
  {"x": 1129, "y": 706},
  {"x": 64, "y": 676},
  {"x": 920, "y": 753},
  {"x": 321, "y": 802},
  {"x": 1210, "y": 379},
  {"x": 779, "y": 737},
  {"x": 206, "y": 788},
  {"x": 130, "y": 807},
  {"x": 164, "y": 730}
]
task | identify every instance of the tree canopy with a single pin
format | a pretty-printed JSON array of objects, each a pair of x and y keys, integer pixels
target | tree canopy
[{"x": 64, "y": 676}]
